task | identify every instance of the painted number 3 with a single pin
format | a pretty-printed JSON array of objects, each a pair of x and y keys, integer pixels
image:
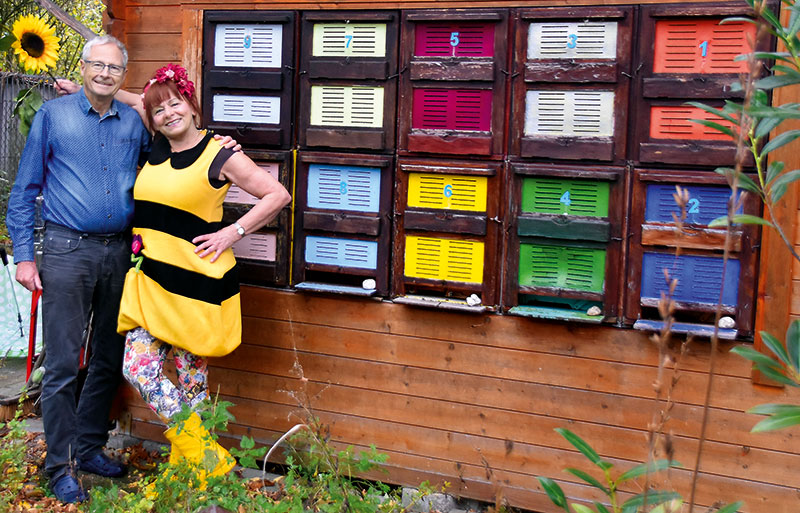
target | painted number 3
[
  {"x": 572, "y": 41},
  {"x": 248, "y": 40}
]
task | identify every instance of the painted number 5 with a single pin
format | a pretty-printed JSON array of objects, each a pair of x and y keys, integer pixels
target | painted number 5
[{"x": 454, "y": 39}]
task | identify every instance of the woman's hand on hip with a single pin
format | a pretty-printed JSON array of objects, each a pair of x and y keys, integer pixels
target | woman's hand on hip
[{"x": 216, "y": 242}]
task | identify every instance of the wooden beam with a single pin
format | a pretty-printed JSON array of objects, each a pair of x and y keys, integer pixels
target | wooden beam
[{"x": 64, "y": 17}]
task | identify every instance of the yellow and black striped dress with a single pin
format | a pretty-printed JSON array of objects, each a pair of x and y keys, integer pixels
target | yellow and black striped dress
[{"x": 180, "y": 298}]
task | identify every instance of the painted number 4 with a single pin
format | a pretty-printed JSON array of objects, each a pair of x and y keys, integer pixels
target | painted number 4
[{"x": 565, "y": 199}]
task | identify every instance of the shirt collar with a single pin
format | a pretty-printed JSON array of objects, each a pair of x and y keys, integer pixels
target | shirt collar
[{"x": 86, "y": 105}]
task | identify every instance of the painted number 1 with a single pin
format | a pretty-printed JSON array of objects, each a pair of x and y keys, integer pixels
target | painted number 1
[
  {"x": 454, "y": 39},
  {"x": 565, "y": 199},
  {"x": 703, "y": 48},
  {"x": 348, "y": 39},
  {"x": 248, "y": 40},
  {"x": 572, "y": 41}
]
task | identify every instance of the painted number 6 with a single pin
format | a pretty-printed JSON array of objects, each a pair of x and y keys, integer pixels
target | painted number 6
[{"x": 448, "y": 190}]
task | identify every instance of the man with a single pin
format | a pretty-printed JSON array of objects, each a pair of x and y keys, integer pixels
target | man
[{"x": 81, "y": 154}]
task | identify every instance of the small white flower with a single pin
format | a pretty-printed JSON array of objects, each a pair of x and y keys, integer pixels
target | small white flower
[{"x": 169, "y": 73}]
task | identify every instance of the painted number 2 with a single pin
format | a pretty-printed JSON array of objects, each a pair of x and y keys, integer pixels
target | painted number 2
[
  {"x": 703, "y": 48},
  {"x": 694, "y": 206},
  {"x": 572, "y": 41},
  {"x": 248, "y": 41},
  {"x": 454, "y": 39},
  {"x": 565, "y": 199},
  {"x": 448, "y": 190}
]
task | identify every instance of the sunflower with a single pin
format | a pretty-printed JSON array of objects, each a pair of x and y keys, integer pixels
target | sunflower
[{"x": 36, "y": 45}]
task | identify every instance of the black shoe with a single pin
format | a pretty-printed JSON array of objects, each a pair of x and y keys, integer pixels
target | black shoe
[
  {"x": 102, "y": 465},
  {"x": 67, "y": 489}
]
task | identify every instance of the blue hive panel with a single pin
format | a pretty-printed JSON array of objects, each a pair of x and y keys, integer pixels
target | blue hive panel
[
  {"x": 344, "y": 187},
  {"x": 706, "y": 203},
  {"x": 699, "y": 278},
  {"x": 352, "y": 253}
]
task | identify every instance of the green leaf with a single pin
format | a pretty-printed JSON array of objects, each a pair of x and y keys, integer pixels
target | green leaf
[
  {"x": 731, "y": 508},
  {"x": 5, "y": 41},
  {"x": 766, "y": 124},
  {"x": 247, "y": 442},
  {"x": 773, "y": 20},
  {"x": 788, "y": 111},
  {"x": 601, "y": 508},
  {"x": 653, "y": 497},
  {"x": 776, "y": 56},
  {"x": 554, "y": 491},
  {"x": 738, "y": 19},
  {"x": 793, "y": 344},
  {"x": 713, "y": 110},
  {"x": 779, "y": 186},
  {"x": 716, "y": 126},
  {"x": 755, "y": 356},
  {"x": 739, "y": 219},
  {"x": 775, "y": 375},
  {"x": 647, "y": 468},
  {"x": 580, "y": 508},
  {"x": 773, "y": 170},
  {"x": 781, "y": 140},
  {"x": 775, "y": 81},
  {"x": 745, "y": 182},
  {"x": 583, "y": 447},
  {"x": 776, "y": 346},
  {"x": 589, "y": 479},
  {"x": 772, "y": 409},
  {"x": 777, "y": 421}
]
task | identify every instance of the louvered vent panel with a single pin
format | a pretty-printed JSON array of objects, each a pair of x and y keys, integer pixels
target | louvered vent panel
[
  {"x": 454, "y": 40},
  {"x": 344, "y": 187},
  {"x": 349, "y": 40},
  {"x": 572, "y": 40},
  {"x": 562, "y": 196},
  {"x": 699, "y": 278},
  {"x": 569, "y": 113},
  {"x": 355, "y": 106},
  {"x": 248, "y": 45},
  {"x": 237, "y": 195},
  {"x": 358, "y": 254},
  {"x": 706, "y": 203},
  {"x": 673, "y": 123},
  {"x": 246, "y": 109},
  {"x": 701, "y": 46},
  {"x": 444, "y": 259},
  {"x": 452, "y": 109},
  {"x": 562, "y": 267},
  {"x": 256, "y": 246},
  {"x": 452, "y": 192}
]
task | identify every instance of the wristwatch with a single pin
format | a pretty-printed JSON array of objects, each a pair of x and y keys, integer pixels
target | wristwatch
[{"x": 239, "y": 228}]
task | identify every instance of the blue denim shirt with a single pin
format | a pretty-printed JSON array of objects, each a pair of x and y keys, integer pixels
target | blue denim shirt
[{"x": 83, "y": 164}]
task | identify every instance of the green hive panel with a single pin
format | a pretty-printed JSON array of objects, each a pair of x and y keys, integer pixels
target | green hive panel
[
  {"x": 562, "y": 267},
  {"x": 546, "y": 195}
]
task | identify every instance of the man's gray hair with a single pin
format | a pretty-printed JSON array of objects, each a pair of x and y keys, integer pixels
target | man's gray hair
[{"x": 104, "y": 40}]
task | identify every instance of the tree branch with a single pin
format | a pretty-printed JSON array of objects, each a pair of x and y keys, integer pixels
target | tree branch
[{"x": 65, "y": 18}]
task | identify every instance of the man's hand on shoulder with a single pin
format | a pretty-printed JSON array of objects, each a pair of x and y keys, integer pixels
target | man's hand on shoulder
[
  {"x": 65, "y": 86},
  {"x": 28, "y": 276},
  {"x": 228, "y": 142}
]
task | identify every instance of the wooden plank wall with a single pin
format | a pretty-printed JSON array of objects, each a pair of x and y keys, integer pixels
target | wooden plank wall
[{"x": 472, "y": 399}]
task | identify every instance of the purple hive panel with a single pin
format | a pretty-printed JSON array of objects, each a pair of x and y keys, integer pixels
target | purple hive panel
[
  {"x": 452, "y": 109},
  {"x": 447, "y": 39}
]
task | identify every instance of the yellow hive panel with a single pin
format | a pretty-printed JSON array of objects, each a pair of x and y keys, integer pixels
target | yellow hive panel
[
  {"x": 451, "y": 192},
  {"x": 349, "y": 40},
  {"x": 356, "y": 106},
  {"x": 444, "y": 259}
]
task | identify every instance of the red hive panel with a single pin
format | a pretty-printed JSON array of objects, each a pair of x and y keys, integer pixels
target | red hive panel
[{"x": 701, "y": 46}]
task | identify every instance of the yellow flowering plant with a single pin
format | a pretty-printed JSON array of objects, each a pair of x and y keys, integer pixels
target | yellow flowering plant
[{"x": 36, "y": 47}]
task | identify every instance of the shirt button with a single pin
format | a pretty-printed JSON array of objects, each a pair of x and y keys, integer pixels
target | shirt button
[
  {"x": 102, "y": 145},
  {"x": 108, "y": 192},
  {"x": 109, "y": 216},
  {"x": 105, "y": 168}
]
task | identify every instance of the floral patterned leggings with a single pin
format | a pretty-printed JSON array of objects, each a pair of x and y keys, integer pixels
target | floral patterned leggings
[{"x": 143, "y": 367}]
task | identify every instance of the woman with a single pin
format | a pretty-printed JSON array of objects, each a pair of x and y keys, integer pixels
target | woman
[{"x": 182, "y": 294}]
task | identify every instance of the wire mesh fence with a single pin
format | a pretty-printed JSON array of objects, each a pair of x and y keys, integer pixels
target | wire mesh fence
[{"x": 11, "y": 141}]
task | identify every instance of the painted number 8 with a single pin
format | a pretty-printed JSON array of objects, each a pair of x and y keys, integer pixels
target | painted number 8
[
  {"x": 448, "y": 190},
  {"x": 248, "y": 40},
  {"x": 343, "y": 187}
]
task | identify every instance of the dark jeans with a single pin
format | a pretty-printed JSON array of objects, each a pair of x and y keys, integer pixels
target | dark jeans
[{"x": 80, "y": 272}]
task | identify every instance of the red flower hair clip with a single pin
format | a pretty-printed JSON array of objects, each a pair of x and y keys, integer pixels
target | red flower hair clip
[{"x": 177, "y": 74}]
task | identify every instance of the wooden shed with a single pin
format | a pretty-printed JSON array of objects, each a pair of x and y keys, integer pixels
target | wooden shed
[{"x": 473, "y": 182}]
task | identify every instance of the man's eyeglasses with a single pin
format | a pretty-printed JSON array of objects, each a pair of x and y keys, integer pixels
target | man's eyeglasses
[{"x": 98, "y": 67}]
